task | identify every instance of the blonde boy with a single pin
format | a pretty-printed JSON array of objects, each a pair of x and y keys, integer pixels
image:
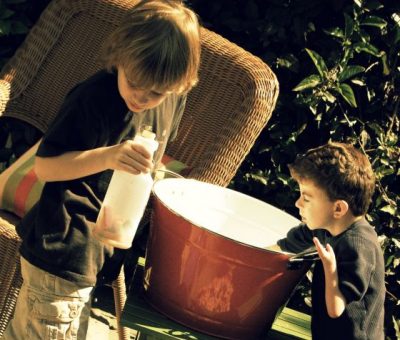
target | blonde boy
[{"x": 151, "y": 62}]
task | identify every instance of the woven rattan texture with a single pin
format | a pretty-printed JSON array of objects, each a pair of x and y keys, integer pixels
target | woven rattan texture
[
  {"x": 225, "y": 112},
  {"x": 10, "y": 278}
]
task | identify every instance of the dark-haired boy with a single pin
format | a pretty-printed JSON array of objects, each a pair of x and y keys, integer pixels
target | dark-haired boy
[{"x": 348, "y": 291}]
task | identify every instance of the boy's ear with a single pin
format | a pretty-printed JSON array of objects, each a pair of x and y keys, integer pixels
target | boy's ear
[{"x": 341, "y": 208}]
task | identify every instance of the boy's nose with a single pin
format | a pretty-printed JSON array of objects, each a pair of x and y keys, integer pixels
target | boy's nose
[
  {"x": 298, "y": 203},
  {"x": 141, "y": 97}
]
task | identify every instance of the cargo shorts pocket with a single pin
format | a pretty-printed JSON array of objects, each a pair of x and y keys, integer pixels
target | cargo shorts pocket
[{"x": 55, "y": 319}]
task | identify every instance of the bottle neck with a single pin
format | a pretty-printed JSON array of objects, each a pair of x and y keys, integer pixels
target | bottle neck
[{"x": 148, "y": 143}]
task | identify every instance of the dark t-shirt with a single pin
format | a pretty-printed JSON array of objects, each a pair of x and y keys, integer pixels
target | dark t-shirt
[
  {"x": 56, "y": 233},
  {"x": 361, "y": 280}
]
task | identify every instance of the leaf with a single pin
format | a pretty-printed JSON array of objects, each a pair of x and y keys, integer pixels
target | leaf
[
  {"x": 389, "y": 260},
  {"x": 347, "y": 93},
  {"x": 7, "y": 13},
  {"x": 358, "y": 82},
  {"x": 373, "y": 5},
  {"x": 396, "y": 242},
  {"x": 359, "y": 3},
  {"x": 349, "y": 26},
  {"x": 318, "y": 62},
  {"x": 350, "y": 71},
  {"x": 396, "y": 19},
  {"x": 383, "y": 171},
  {"x": 386, "y": 68},
  {"x": 389, "y": 209},
  {"x": 384, "y": 161},
  {"x": 288, "y": 61},
  {"x": 335, "y": 32},
  {"x": 367, "y": 48},
  {"x": 396, "y": 262},
  {"x": 19, "y": 28},
  {"x": 374, "y": 21},
  {"x": 396, "y": 322},
  {"x": 5, "y": 27},
  {"x": 283, "y": 178},
  {"x": 364, "y": 137},
  {"x": 258, "y": 178},
  {"x": 301, "y": 129},
  {"x": 329, "y": 97},
  {"x": 308, "y": 83}
]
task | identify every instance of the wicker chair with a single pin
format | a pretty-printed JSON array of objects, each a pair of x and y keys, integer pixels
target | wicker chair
[{"x": 225, "y": 113}]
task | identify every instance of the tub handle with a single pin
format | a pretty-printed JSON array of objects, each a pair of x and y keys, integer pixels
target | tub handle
[
  {"x": 297, "y": 261},
  {"x": 169, "y": 172}
]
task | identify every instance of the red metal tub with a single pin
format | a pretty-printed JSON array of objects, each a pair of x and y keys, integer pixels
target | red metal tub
[{"x": 206, "y": 262}]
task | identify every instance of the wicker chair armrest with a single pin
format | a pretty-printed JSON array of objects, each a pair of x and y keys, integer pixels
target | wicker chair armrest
[
  {"x": 5, "y": 89},
  {"x": 10, "y": 275}
]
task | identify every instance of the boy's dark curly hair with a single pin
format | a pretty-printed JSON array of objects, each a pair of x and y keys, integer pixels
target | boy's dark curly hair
[{"x": 340, "y": 169}]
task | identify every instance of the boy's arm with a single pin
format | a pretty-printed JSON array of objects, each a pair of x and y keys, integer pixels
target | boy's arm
[
  {"x": 335, "y": 301},
  {"x": 297, "y": 239},
  {"x": 128, "y": 156}
]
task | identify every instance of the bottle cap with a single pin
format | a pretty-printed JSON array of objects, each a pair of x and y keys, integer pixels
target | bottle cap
[{"x": 148, "y": 134}]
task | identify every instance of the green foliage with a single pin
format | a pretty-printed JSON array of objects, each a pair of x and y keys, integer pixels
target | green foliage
[
  {"x": 10, "y": 21},
  {"x": 16, "y": 18},
  {"x": 13, "y": 22},
  {"x": 338, "y": 67}
]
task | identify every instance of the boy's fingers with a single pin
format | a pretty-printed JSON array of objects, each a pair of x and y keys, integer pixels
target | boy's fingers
[
  {"x": 142, "y": 150},
  {"x": 318, "y": 246},
  {"x": 329, "y": 248},
  {"x": 322, "y": 251},
  {"x": 317, "y": 243}
]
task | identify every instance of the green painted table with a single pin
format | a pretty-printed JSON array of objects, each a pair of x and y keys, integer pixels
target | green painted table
[{"x": 151, "y": 324}]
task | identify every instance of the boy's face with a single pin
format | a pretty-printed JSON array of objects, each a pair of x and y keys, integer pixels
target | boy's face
[
  {"x": 136, "y": 98},
  {"x": 315, "y": 207}
]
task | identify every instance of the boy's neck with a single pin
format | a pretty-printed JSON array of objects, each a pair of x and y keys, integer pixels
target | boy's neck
[{"x": 343, "y": 224}]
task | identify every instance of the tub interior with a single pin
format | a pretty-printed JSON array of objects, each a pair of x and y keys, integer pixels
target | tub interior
[{"x": 224, "y": 211}]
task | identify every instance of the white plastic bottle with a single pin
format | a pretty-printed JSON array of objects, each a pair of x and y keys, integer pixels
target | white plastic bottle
[{"x": 125, "y": 201}]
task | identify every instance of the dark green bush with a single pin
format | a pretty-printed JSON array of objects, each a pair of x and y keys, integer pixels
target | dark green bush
[
  {"x": 338, "y": 67},
  {"x": 16, "y": 18}
]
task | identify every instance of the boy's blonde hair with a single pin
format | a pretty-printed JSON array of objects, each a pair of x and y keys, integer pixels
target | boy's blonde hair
[
  {"x": 341, "y": 170},
  {"x": 158, "y": 46}
]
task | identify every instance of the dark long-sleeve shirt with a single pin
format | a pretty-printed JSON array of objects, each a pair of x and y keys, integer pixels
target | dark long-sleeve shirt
[{"x": 361, "y": 273}]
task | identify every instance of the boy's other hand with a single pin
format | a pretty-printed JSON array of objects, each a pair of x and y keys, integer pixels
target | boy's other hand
[
  {"x": 327, "y": 256},
  {"x": 131, "y": 157}
]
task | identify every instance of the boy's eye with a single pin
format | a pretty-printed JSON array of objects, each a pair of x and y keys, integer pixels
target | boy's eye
[
  {"x": 132, "y": 85},
  {"x": 304, "y": 197},
  {"x": 156, "y": 94},
  {"x": 153, "y": 94}
]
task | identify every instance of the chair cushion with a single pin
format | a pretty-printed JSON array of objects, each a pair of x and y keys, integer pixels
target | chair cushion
[
  {"x": 19, "y": 185},
  {"x": 20, "y": 188}
]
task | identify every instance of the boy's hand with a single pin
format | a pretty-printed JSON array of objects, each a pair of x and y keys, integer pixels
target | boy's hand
[
  {"x": 335, "y": 301},
  {"x": 131, "y": 157},
  {"x": 327, "y": 256}
]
